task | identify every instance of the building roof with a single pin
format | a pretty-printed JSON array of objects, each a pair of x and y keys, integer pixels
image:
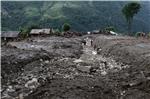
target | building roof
[
  {"x": 10, "y": 34},
  {"x": 40, "y": 31}
]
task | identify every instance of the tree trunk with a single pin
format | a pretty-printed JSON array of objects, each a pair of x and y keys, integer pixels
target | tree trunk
[{"x": 129, "y": 26}]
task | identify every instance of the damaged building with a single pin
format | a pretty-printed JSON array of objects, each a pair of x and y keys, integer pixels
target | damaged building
[{"x": 38, "y": 32}]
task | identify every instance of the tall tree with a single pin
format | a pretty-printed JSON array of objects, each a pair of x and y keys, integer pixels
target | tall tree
[
  {"x": 129, "y": 10},
  {"x": 66, "y": 27}
]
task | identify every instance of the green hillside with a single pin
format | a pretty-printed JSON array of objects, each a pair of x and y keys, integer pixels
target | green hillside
[{"x": 81, "y": 15}]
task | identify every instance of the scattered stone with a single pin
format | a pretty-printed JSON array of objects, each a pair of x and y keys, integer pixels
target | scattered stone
[
  {"x": 6, "y": 96},
  {"x": 32, "y": 46},
  {"x": 18, "y": 87},
  {"x": 68, "y": 76},
  {"x": 41, "y": 80}
]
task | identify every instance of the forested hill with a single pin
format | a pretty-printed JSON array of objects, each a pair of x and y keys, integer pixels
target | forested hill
[{"x": 81, "y": 15}]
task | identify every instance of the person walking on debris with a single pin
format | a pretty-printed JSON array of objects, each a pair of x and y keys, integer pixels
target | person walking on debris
[
  {"x": 84, "y": 42},
  {"x": 87, "y": 41}
]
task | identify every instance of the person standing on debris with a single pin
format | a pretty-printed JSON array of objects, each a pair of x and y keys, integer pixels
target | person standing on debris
[{"x": 91, "y": 42}]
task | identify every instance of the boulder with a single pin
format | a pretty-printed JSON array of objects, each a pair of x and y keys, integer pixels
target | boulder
[{"x": 85, "y": 69}]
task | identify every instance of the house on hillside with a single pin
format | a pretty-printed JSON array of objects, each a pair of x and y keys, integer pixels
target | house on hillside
[
  {"x": 40, "y": 32},
  {"x": 9, "y": 35}
]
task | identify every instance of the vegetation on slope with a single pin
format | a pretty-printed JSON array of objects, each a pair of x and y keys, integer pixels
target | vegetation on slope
[{"x": 82, "y": 16}]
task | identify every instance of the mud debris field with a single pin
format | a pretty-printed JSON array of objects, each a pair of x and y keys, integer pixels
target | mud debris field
[{"x": 113, "y": 67}]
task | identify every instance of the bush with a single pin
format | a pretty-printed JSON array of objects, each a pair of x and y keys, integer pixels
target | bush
[
  {"x": 66, "y": 27},
  {"x": 24, "y": 31}
]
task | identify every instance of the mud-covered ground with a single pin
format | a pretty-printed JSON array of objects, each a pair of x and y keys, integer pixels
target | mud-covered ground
[{"x": 114, "y": 67}]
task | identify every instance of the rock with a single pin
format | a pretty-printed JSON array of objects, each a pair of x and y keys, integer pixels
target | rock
[
  {"x": 94, "y": 52},
  {"x": 41, "y": 60},
  {"x": 84, "y": 68},
  {"x": 78, "y": 61},
  {"x": 148, "y": 78},
  {"x": 46, "y": 61},
  {"x": 32, "y": 84},
  {"x": 41, "y": 64},
  {"x": 103, "y": 72},
  {"x": 32, "y": 46}
]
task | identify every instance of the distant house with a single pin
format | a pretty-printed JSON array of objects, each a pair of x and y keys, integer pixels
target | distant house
[
  {"x": 95, "y": 32},
  {"x": 40, "y": 31},
  {"x": 5, "y": 35}
]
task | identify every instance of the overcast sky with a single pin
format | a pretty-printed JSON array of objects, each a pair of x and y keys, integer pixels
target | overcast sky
[{"x": 75, "y": 0}]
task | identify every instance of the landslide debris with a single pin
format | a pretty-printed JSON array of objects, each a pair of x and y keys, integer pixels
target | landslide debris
[{"x": 114, "y": 67}]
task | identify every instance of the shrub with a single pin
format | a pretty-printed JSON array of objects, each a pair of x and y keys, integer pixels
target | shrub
[
  {"x": 24, "y": 32},
  {"x": 66, "y": 27},
  {"x": 57, "y": 32},
  {"x": 137, "y": 34},
  {"x": 148, "y": 35},
  {"x": 140, "y": 34}
]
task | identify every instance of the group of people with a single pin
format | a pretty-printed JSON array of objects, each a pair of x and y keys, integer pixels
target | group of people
[{"x": 87, "y": 41}]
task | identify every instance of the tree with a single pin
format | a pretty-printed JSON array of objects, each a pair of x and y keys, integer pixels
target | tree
[
  {"x": 129, "y": 10},
  {"x": 66, "y": 27}
]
